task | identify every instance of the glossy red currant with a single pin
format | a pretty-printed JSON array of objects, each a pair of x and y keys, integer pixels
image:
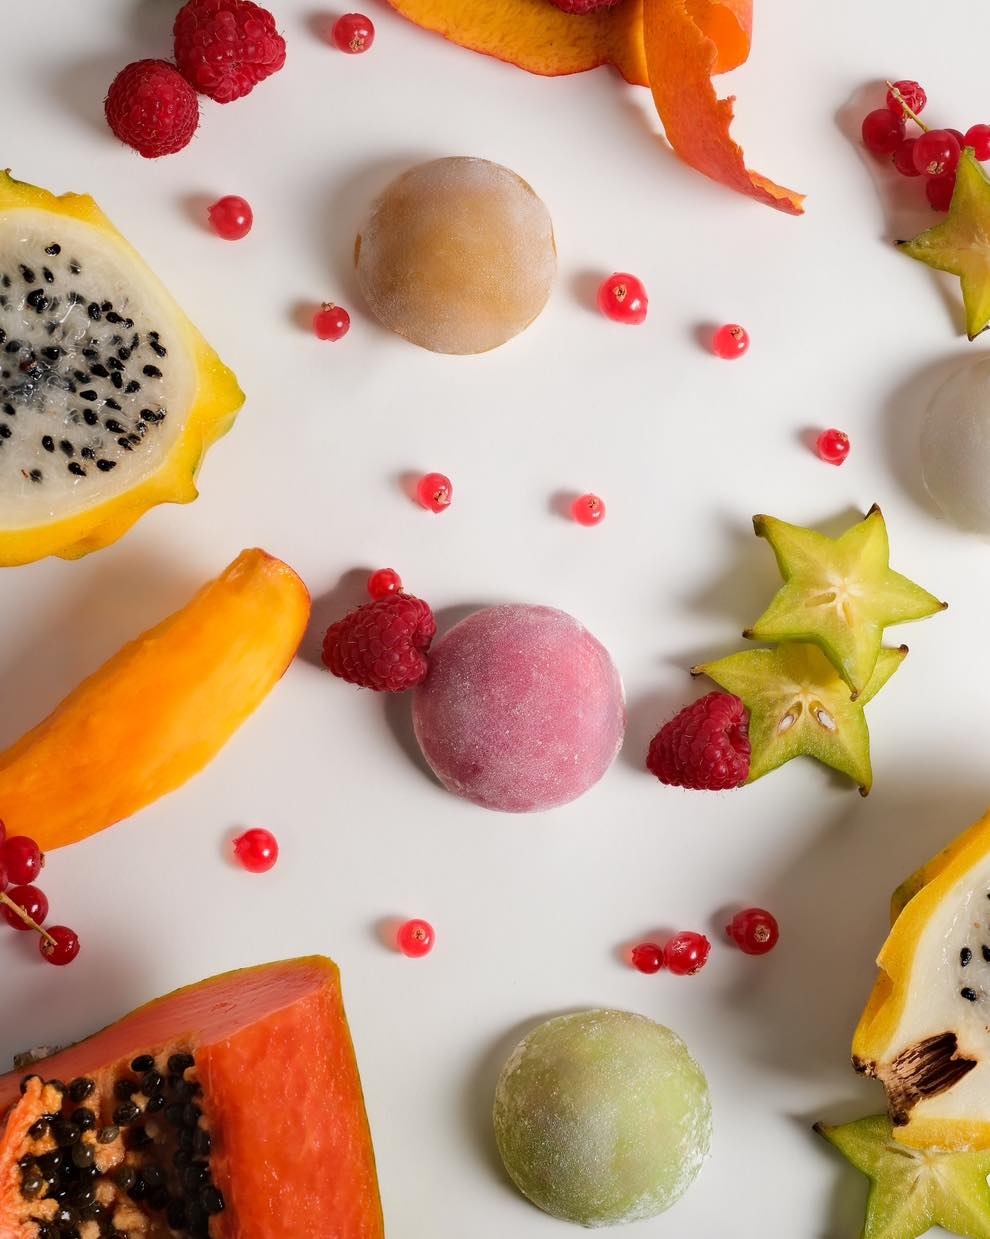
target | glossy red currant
[
  {"x": 622, "y": 298},
  {"x": 353, "y": 33},
  {"x": 936, "y": 152},
  {"x": 883, "y": 132},
  {"x": 384, "y": 583},
  {"x": 22, "y": 859},
  {"x": 730, "y": 341},
  {"x": 31, "y": 901},
  {"x": 231, "y": 217},
  {"x": 331, "y": 322},
  {"x": 647, "y": 957},
  {"x": 832, "y": 446},
  {"x": 754, "y": 931},
  {"x": 910, "y": 93},
  {"x": 978, "y": 137},
  {"x": 415, "y": 938},
  {"x": 939, "y": 191},
  {"x": 687, "y": 953},
  {"x": 434, "y": 491},
  {"x": 904, "y": 158},
  {"x": 65, "y": 947},
  {"x": 588, "y": 509},
  {"x": 256, "y": 850}
]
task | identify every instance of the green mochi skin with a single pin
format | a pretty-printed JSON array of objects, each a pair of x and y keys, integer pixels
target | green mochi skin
[{"x": 602, "y": 1117}]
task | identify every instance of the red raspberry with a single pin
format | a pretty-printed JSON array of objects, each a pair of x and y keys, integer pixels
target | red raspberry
[
  {"x": 226, "y": 47},
  {"x": 584, "y": 6},
  {"x": 382, "y": 645},
  {"x": 152, "y": 107},
  {"x": 706, "y": 747}
]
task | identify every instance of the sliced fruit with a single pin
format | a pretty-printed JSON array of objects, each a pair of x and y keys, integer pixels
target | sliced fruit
[
  {"x": 840, "y": 593},
  {"x": 799, "y": 707},
  {"x": 910, "y": 1192},
  {"x": 959, "y": 243},
  {"x": 537, "y": 36},
  {"x": 109, "y": 396},
  {"x": 159, "y": 710},
  {"x": 925, "y": 1033},
  {"x": 230, "y": 1108}
]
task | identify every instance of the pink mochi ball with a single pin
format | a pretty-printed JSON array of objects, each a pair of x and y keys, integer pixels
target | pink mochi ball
[{"x": 522, "y": 709}]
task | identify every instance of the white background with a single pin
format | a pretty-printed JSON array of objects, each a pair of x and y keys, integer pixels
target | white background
[{"x": 531, "y": 912}]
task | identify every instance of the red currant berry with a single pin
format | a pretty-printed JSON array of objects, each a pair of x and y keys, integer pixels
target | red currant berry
[
  {"x": 22, "y": 859},
  {"x": 754, "y": 931},
  {"x": 63, "y": 950},
  {"x": 904, "y": 158},
  {"x": 978, "y": 137},
  {"x": 384, "y": 583},
  {"x": 883, "y": 132},
  {"x": 911, "y": 93},
  {"x": 257, "y": 850},
  {"x": 353, "y": 33},
  {"x": 687, "y": 953},
  {"x": 588, "y": 510},
  {"x": 647, "y": 957},
  {"x": 936, "y": 152},
  {"x": 940, "y": 189},
  {"x": 331, "y": 322},
  {"x": 415, "y": 939},
  {"x": 959, "y": 136},
  {"x": 832, "y": 446},
  {"x": 31, "y": 900},
  {"x": 434, "y": 492},
  {"x": 730, "y": 342},
  {"x": 231, "y": 217},
  {"x": 622, "y": 298}
]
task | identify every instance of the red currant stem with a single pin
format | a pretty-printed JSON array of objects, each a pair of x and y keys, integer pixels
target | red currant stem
[
  {"x": 28, "y": 920},
  {"x": 901, "y": 100}
]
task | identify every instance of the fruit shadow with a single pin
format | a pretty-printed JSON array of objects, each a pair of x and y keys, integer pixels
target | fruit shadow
[
  {"x": 647, "y": 713},
  {"x": 329, "y": 606}
]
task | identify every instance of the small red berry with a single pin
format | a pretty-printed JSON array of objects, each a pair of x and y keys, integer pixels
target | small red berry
[
  {"x": 904, "y": 158},
  {"x": 883, "y": 132},
  {"x": 978, "y": 138},
  {"x": 832, "y": 446},
  {"x": 958, "y": 134},
  {"x": 588, "y": 510},
  {"x": 687, "y": 953},
  {"x": 647, "y": 957},
  {"x": 331, "y": 322},
  {"x": 226, "y": 47},
  {"x": 754, "y": 931},
  {"x": 382, "y": 645},
  {"x": 911, "y": 93},
  {"x": 383, "y": 583},
  {"x": 415, "y": 939},
  {"x": 705, "y": 747},
  {"x": 434, "y": 492},
  {"x": 730, "y": 342},
  {"x": 152, "y": 107},
  {"x": 353, "y": 33},
  {"x": 257, "y": 850},
  {"x": 939, "y": 191},
  {"x": 936, "y": 152},
  {"x": 63, "y": 950},
  {"x": 622, "y": 298},
  {"x": 33, "y": 901},
  {"x": 22, "y": 859},
  {"x": 231, "y": 217}
]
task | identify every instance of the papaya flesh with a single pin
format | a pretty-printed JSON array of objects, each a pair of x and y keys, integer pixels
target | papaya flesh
[
  {"x": 231, "y": 1109},
  {"x": 159, "y": 710}
]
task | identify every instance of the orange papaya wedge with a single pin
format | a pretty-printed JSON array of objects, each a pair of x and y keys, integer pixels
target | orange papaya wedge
[
  {"x": 231, "y": 1109},
  {"x": 169, "y": 700}
]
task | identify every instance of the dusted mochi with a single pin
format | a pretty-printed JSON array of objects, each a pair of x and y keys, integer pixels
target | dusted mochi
[
  {"x": 602, "y": 1117},
  {"x": 955, "y": 447},
  {"x": 522, "y": 709},
  {"x": 458, "y": 255}
]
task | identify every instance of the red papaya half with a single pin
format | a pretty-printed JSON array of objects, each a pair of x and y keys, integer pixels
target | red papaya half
[{"x": 231, "y": 1109}]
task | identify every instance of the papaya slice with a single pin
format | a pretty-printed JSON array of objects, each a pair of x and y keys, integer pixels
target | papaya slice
[
  {"x": 169, "y": 701},
  {"x": 231, "y": 1109},
  {"x": 925, "y": 1033},
  {"x": 109, "y": 396}
]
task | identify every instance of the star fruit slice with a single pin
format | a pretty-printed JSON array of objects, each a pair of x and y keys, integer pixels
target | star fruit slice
[
  {"x": 799, "y": 707},
  {"x": 913, "y": 1190},
  {"x": 959, "y": 244},
  {"x": 839, "y": 594}
]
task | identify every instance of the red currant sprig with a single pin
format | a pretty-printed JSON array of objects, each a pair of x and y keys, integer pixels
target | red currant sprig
[{"x": 23, "y": 906}]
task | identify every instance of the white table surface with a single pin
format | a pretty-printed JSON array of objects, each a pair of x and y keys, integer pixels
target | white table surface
[{"x": 530, "y": 911}]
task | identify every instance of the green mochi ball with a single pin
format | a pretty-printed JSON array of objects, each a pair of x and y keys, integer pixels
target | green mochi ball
[{"x": 602, "y": 1117}]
